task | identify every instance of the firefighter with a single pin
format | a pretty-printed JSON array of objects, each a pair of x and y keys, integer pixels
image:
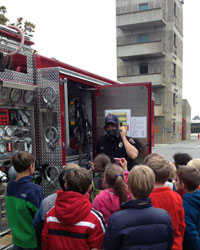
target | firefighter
[{"x": 115, "y": 143}]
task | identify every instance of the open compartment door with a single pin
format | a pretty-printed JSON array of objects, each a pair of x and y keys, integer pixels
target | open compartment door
[{"x": 132, "y": 104}]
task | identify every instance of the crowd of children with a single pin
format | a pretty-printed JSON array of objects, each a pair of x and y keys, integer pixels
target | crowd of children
[{"x": 155, "y": 206}]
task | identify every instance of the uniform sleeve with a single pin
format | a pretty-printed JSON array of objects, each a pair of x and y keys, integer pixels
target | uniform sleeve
[
  {"x": 45, "y": 236},
  {"x": 191, "y": 237},
  {"x": 96, "y": 235},
  {"x": 112, "y": 238}
]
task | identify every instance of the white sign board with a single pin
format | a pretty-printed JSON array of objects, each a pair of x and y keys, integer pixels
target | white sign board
[{"x": 138, "y": 127}]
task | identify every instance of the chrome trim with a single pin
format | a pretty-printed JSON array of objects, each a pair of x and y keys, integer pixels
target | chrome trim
[
  {"x": 83, "y": 77},
  {"x": 18, "y": 85},
  {"x": 66, "y": 112}
]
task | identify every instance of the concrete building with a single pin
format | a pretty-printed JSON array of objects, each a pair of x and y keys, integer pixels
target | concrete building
[
  {"x": 150, "y": 49},
  {"x": 186, "y": 114}
]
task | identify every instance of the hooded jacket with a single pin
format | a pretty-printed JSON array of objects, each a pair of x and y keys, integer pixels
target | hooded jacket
[
  {"x": 191, "y": 204},
  {"x": 72, "y": 224},
  {"x": 170, "y": 201},
  {"x": 22, "y": 202},
  {"x": 106, "y": 202},
  {"x": 139, "y": 226}
]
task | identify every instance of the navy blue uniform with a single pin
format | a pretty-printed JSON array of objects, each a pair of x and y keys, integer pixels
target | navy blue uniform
[{"x": 115, "y": 148}]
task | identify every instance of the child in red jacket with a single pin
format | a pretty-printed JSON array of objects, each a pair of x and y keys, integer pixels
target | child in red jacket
[
  {"x": 164, "y": 197},
  {"x": 72, "y": 223}
]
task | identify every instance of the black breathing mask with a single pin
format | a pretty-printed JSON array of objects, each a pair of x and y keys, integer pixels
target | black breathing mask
[{"x": 112, "y": 134}]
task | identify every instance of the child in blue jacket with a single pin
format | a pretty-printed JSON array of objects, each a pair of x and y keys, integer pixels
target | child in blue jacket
[
  {"x": 188, "y": 180},
  {"x": 139, "y": 225}
]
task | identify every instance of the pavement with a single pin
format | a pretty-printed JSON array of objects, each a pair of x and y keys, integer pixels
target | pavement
[{"x": 192, "y": 147}]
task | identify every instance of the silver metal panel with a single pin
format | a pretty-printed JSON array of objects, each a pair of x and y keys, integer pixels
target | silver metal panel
[
  {"x": 18, "y": 76},
  {"x": 48, "y": 78},
  {"x": 83, "y": 77},
  {"x": 18, "y": 85}
]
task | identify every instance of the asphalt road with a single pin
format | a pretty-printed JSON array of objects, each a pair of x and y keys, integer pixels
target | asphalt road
[{"x": 192, "y": 147}]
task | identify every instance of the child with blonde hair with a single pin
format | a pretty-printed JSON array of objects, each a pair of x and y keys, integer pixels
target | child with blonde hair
[
  {"x": 194, "y": 163},
  {"x": 139, "y": 225},
  {"x": 109, "y": 200}
]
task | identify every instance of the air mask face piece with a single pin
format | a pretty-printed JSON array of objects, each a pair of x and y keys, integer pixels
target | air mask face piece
[{"x": 112, "y": 131}]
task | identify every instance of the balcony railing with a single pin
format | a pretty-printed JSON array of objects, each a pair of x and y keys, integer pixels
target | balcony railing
[
  {"x": 155, "y": 79},
  {"x": 149, "y": 49},
  {"x": 139, "y": 19}
]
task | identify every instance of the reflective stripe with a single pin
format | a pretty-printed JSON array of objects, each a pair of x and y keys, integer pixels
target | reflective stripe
[
  {"x": 100, "y": 218},
  {"x": 80, "y": 223},
  {"x": 85, "y": 224},
  {"x": 52, "y": 219}
]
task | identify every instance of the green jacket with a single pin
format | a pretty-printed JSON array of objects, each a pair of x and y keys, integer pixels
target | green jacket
[{"x": 22, "y": 202}]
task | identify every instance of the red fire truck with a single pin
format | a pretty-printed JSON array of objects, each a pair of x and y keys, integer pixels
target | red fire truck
[{"x": 56, "y": 111}]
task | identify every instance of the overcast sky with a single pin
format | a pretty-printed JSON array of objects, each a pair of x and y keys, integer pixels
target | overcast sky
[{"x": 82, "y": 33}]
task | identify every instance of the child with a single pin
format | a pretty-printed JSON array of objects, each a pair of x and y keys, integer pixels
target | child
[
  {"x": 22, "y": 202},
  {"x": 110, "y": 199},
  {"x": 49, "y": 201},
  {"x": 148, "y": 157},
  {"x": 139, "y": 225},
  {"x": 194, "y": 163},
  {"x": 164, "y": 197},
  {"x": 188, "y": 179},
  {"x": 181, "y": 159},
  {"x": 99, "y": 166},
  {"x": 72, "y": 223}
]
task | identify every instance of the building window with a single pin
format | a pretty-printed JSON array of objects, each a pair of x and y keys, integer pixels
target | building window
[
  {"x": 174, "y": 69},
  {"x": 174, "y": 99},
  {"x": 143, "y": 6},
  {"x": 175, "y": 41},
  {"x": 175, "y": 10},
  {"x": 143, "y": 68},
  {"x": 174, "y": 127},
  {"x": 143, "y": 38}
]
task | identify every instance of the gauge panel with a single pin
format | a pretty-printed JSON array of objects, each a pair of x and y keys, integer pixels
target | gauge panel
[
  {"x": 49, "y": 95},
  {"x": 15, "y": 95},
  {"x": 28, "y": 96},
  {"x": 2, "y": 131},
  {"x": 9, "y": 131},
  {"x": 3, "y": 93},
  {"x": 2, "y": 148}
]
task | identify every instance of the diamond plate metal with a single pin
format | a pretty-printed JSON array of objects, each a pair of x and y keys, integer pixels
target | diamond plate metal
[{"x": 45, "y": 78}]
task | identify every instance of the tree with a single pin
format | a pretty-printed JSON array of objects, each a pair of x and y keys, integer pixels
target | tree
[
  {"x": 196, "y": 117},
  {"x": 27, "y": 27}
]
